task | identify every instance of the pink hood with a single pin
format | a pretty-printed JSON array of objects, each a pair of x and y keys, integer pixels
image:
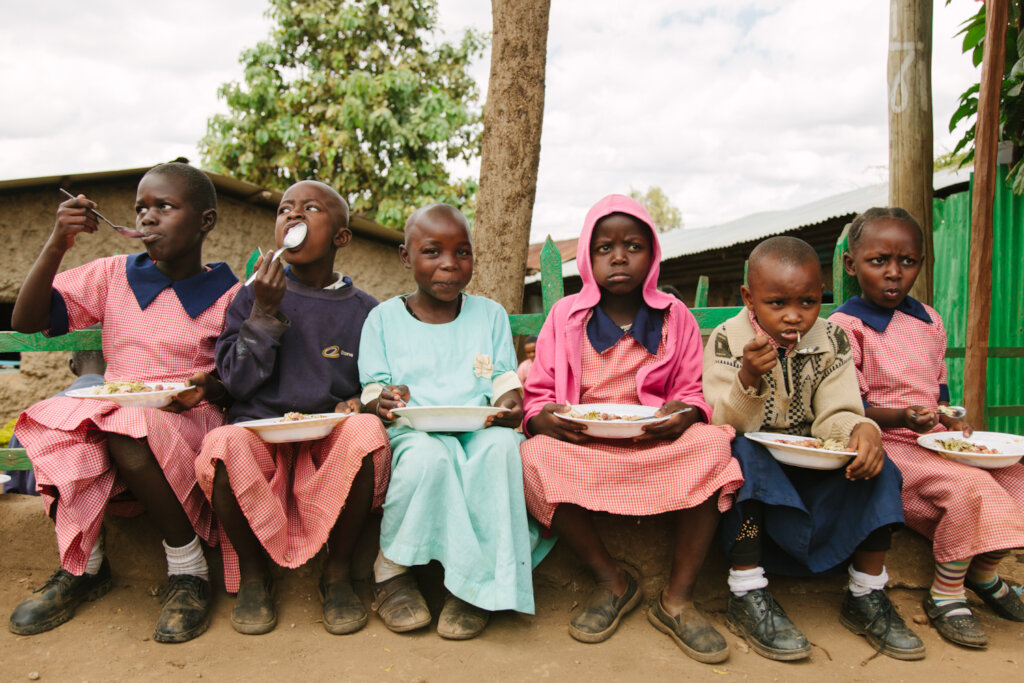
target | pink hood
[{"x": 556, "y": 371}]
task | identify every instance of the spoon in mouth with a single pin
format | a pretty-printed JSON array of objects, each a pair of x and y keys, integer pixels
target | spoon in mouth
[
  {"x": 127, "y": 232},
  {"x": 292, "y": 239}
]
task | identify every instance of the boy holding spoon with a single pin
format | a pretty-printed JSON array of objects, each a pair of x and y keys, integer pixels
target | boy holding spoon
[
  {"x": 777, "y": 367},
  {"x": 291, "y": 344}
]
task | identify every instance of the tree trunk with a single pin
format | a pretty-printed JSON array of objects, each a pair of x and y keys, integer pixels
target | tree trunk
[
  {"x": 910, "y": 123},
  {"x": 979, "y": 273},
  {"x": 513, "y": 115}
]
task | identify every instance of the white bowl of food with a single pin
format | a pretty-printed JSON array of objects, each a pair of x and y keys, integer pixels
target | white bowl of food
[
  {"x": 446, "y": 418},
  {"x": 133, "y": 394},
  {"x": 612, "y": 420},
  {"x": 294, "y": 426},
  {"x": 988, "y": 450},
  {"x": 804, "y": 451}
]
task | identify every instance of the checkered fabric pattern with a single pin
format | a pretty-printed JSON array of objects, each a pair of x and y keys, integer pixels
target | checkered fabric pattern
[
  {"x": 622, "y": 477},
  {"x": 65, "y": 437},
  {"x": 292, "y": 493},
  {"x": 964, "y": 510}
]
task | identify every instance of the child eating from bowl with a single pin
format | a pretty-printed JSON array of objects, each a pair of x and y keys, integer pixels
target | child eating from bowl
[{"x": 777, "y": 367}]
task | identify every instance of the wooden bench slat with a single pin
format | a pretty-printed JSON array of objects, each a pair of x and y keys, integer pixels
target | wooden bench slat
[
  {"x": 14, "y": 459},
  {"x": 79, "y": 340}
]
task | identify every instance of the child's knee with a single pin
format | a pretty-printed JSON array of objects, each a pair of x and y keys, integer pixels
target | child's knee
[
  {"x": 221, "y": 481},
  {"x": 130, "y": 455}
]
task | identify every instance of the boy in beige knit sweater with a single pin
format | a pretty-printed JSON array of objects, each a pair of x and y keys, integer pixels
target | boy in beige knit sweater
[{"x": 777, "y": 367}]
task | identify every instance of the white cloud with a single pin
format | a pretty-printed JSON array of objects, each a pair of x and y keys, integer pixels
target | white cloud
[{"x": 731, "y": 106}]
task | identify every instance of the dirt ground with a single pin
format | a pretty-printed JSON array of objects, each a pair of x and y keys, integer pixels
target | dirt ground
[{"x": 110, "y": 639}]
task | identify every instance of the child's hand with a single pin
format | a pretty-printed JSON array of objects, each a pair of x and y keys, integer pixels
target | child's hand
[
  {"x": 920, "y": 419},
  {"x": 352, "y": 405},
  {"x": 759, "y": 357},
  {"x": 269, "y": 285},
  {"x": 866, "y": 440},
  {"x": 202, "y": 385},
  {"x": 956, "y": 424},
  {"x": 393, "y": 396},
  {"x": 672, "y": 428},
  {"x": 512, "y": 416},
  {"x": 73, "y": 216},
  {"x": 548, "y": 424}
]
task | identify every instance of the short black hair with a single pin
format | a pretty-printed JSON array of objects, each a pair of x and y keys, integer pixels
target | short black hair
[
  {"x": 424, "y": 212},
  {"x": 878, "y": 213},
  {"x": 199, "y": 186},
  {"x": 530, "y": 339},
  {"x": 785, "y": 248}
]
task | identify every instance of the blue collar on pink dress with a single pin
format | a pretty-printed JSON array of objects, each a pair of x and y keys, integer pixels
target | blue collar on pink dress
[
  {"x": 604, "y": 333},
  {"x": 878, "y": 318},
  {"x": 196, "y": 293}
]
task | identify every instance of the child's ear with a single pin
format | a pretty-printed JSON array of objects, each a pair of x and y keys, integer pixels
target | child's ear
[
  {"x": 403, "y": 254},
  {"x": 342, "y": 238},
  {"x": 748, "y": 298},
  {"x": 208, "y": 220},
  {"x": 848, "y": 265}
]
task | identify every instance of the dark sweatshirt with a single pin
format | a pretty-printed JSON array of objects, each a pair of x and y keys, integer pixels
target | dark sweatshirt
[{"x": 303, "y": 359}]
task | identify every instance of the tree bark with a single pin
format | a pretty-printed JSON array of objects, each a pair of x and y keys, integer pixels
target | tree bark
[
  {"x": 510, "y": 154},
  {"x": 910, "y": 123},
  {"x": 979, "y": 273}
]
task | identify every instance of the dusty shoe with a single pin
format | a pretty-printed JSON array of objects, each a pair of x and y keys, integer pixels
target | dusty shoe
[
  {"x": 600, "y": 617},
  {"x": 762, "y": 622},
  {"x": 343, "y": 610},
  {"x": 1008, "y": 606},
  {"x": 460, "y": 620},
  {"x": 254, "y": 613},
  {"x": 400, "y": 604},
  {"x": 874, "y": 617},
  {"x": 57, "y": 600},
  {"x": 186, "y": 611},
  {"x": 692, "y": 632},
  {"x": 962, "y": 629}
]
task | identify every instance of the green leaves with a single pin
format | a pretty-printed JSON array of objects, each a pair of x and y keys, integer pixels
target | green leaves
[{"x": 358, "y": 94}]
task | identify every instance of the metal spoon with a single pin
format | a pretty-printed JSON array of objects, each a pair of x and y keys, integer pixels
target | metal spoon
[
  {"x": 292, "y": 239},
  {"x": 127, "y": 232},
  {"x": 952, "y": 411}
]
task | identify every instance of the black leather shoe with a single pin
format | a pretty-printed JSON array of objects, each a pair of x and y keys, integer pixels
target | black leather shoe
[
  {"x": 343, "y": 610},
  {"x": 762, "y": 622},
  {"x": 57, "y": 600},
  {"x": 186, "y": 611},
  {"x": 254, "y": 613},
  {"x": 1008, "y": 607},
  {"x": 874, "y": 617}
]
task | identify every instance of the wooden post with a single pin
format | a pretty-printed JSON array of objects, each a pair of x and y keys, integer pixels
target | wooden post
[
  {"x": 910, "y": 122},
  {"x": 986, "y": 140}
]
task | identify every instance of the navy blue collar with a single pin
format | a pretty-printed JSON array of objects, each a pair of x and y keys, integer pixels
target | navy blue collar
[
  {"x": 878, "y": 318},
  {"x": 346, "y": 281},
  {"x": 604, "y": 333},
  {"x": 196, "y": 293}
]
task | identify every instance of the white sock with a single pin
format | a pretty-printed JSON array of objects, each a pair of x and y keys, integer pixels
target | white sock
[
  {"x": 95, "y": 557},
  {"x": 861, "y": 584},
  {"x": 742, "y": 581},
  {"x": 384, "y": 569},
  {"x": 188, "y": 559}
]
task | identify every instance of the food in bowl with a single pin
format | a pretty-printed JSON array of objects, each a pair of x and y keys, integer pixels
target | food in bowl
[
  {"x": 958, "y": 445},
  {"x": 602, "y": 416},
  {"x": 838, "y": 445},
  {"x": 128, "y": 387},
  {"x": 295, "y": 417}
]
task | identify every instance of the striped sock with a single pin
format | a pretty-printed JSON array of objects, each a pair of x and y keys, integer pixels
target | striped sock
[
  {"x": 948, "y": 585},
  {"x": 982, "y": 571}
]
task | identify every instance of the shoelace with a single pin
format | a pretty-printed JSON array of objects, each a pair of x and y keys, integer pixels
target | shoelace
[
  {"x": 885, "y": 610},
  {"x": 181, "y": 582},
  {"x": 61, "y": 577},
  {"x": 771, "y": 610}
]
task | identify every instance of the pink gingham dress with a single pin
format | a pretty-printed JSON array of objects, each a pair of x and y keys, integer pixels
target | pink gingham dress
[
  {"x": 623, "y": 477},
  {"x": 292, "y": 493},
  {"x": 964, "y": 510},
  {"x": 66, "y": 437}
]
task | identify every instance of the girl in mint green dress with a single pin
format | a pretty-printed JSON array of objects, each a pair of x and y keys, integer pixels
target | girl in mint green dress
[{"x": 453, "y": 497}]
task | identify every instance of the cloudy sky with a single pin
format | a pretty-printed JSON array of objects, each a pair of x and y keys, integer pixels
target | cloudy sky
[{"x": 730, "y": 106}]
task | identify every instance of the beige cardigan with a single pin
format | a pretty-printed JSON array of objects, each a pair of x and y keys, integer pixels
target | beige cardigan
[{"x": 822, "y": 397}]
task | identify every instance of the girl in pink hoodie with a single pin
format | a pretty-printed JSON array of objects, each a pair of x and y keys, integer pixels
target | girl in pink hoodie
[{"x": 620, "y": 340}]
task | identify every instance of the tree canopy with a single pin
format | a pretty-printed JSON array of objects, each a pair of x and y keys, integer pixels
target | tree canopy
[
  {"x": 663, "y": 213},
  {"x": 357, "y": 94}
]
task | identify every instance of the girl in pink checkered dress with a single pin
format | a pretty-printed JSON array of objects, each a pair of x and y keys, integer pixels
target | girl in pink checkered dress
[
  {"x": 973, "y": 516},
  {"x": 161, "y": 311},
  {"x": 620, "y": 340}
]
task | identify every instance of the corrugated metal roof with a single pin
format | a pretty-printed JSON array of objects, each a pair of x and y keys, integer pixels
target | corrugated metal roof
[
  {"x": 226, "y": 185},
  {"x": 685, "y": 241}
]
